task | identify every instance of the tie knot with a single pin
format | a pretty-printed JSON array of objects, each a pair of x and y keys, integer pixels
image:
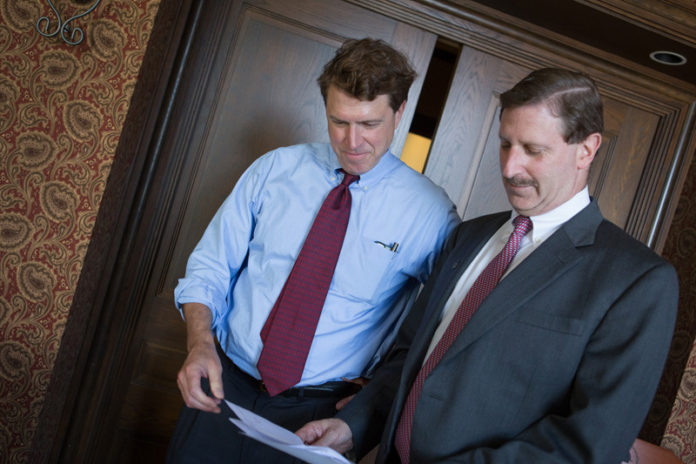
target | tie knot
[
  {"x": 348, "y": 178},
  {"x": 522, "y": 225}
]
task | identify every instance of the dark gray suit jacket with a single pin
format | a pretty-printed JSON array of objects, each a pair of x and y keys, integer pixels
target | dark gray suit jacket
[{"x": 559, "y": 364}]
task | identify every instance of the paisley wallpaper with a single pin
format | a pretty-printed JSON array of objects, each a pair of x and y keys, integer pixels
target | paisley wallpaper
[
  {"x": 680, "y": 435},
  {"x": 61, "y": 112},
  {"x": 680, "y": 249}
]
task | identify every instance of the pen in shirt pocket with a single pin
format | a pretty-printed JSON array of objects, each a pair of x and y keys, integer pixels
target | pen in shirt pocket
[{"x": 394, "y": 247}]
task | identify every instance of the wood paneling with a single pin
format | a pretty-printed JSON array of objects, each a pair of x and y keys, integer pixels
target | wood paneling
[
  {"x": 673, "y": 18},
  {"x": 464, "y": 155}
]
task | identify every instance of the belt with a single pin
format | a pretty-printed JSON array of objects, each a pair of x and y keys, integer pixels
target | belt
[{"x": 337, "y": 389}]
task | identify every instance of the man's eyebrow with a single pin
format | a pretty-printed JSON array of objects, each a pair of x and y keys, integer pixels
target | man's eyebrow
[
  {"x": 366, "y": 121},
  {"x": 524, "y": 143}
]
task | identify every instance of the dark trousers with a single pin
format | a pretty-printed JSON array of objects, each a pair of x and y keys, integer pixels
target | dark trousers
[{"x": 202, "y": 437}]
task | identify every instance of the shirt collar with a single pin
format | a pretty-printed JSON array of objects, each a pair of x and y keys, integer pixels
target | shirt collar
[
  {"x": 547, "y": 223},
  {"x": 387, "y": 163}
]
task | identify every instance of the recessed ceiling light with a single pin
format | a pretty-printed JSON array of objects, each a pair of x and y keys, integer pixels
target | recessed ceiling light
[{"x": 668, "y": 58}]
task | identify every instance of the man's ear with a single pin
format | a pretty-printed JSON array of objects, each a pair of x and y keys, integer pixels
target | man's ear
[
  {"x": 587, "y": 149},
  {"x": 399, "y": 113}
]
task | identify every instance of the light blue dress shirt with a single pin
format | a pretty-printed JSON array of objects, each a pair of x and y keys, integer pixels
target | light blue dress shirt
[{"x": 398, "y": 223}]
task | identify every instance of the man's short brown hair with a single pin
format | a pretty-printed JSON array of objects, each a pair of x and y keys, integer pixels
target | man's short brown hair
[
  {"x": 571, "y": 96},
  {"x": 366, "y": 69}
]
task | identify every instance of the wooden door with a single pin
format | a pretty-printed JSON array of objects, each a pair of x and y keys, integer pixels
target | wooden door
[
  {"x": 464, "y": 154},
  {"x": 261, "y": 94}
]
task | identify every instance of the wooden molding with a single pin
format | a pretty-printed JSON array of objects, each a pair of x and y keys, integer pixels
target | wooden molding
[{"x": 675, "y": 19}]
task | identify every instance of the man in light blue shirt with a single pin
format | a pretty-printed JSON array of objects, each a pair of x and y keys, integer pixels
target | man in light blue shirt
[{"x": 398, "y": 223}]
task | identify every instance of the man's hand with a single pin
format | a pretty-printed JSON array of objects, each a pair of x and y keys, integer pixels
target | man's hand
[
  {"x": 202, "y": 361},
  {"x": 333, "y": 433}
]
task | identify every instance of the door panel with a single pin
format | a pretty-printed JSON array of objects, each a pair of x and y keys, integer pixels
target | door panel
[
  {"x": 266, "y": 97},
  {"x": 464, "y": 157},
  {"x": 618, "y": 167}
]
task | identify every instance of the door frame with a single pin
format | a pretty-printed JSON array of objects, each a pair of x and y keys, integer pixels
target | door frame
[{"x": 113, "y": 249}]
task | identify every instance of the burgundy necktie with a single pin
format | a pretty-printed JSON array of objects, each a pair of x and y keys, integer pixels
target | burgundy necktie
[
  {"x": 289, "y": 330},
  {"x": 483, "y": 285}
]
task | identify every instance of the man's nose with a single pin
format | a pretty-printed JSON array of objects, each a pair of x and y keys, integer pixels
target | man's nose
[
  {"x": 510, "y": 161},
  {"x": 354, "y": 136}
]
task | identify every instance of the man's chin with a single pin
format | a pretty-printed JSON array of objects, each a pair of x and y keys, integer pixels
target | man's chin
[{"x": 521, "y": 207}]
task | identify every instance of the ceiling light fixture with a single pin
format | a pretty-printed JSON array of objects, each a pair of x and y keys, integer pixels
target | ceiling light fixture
[{"x": 668, "y": 58}]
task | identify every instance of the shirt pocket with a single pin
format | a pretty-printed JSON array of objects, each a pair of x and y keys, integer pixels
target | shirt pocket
[{"x": 365, "y": 268}]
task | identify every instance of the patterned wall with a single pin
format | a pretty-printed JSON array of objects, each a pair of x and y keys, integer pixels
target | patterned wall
[
  {"x": 680, "y": 435},
  {"x": 680, "y": 249},
  {"x": 61, "y": 112}
]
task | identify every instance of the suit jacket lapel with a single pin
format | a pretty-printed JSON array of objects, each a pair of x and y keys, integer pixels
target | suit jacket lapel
[
  {"x": 468, "y": 247},
  {"x": 557, "y": 255}
]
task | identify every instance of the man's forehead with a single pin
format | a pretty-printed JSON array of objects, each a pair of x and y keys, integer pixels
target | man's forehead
[{"x": 531, "y": 126}]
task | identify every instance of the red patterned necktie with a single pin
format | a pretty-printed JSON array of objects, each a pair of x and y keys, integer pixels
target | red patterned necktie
[
  {"x": 289, "y": 330},
  {"x": 483, "y": 285}
]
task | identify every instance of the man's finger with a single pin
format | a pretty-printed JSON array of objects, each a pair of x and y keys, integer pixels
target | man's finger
[
  {"x": 308, "y": 433},
  {"x": 200, "y": 400},
  {"x": 216, "y": 387}
]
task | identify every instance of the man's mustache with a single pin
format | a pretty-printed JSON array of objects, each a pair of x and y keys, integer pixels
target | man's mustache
[{"x": 519, "y": 182}]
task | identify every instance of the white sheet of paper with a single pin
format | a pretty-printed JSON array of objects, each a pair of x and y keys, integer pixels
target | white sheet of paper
[{"x": 267, "y": 432}]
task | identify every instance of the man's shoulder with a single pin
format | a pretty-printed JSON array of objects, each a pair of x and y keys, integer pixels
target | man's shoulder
[
  {"x": 418, "y": 186},
  {"x": 619, "y": 243},
  {"x": 612, "y": 249},
  {"x": 298, "y": 151},
  {"x": 290, "y": 157}
]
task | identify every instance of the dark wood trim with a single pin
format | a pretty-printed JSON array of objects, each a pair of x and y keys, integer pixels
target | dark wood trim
[
  {"x": 59, "y": 429},
  {"x": 195, "y": 39},
  {"x": 685, "y": 150},
  {"x": 205, "y": 36}
]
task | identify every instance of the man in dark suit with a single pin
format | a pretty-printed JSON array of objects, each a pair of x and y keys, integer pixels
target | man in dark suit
[{"x": 557, "y": 360}]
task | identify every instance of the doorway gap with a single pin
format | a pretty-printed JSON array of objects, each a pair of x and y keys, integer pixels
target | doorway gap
[{"x": 431, "y": 103}]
